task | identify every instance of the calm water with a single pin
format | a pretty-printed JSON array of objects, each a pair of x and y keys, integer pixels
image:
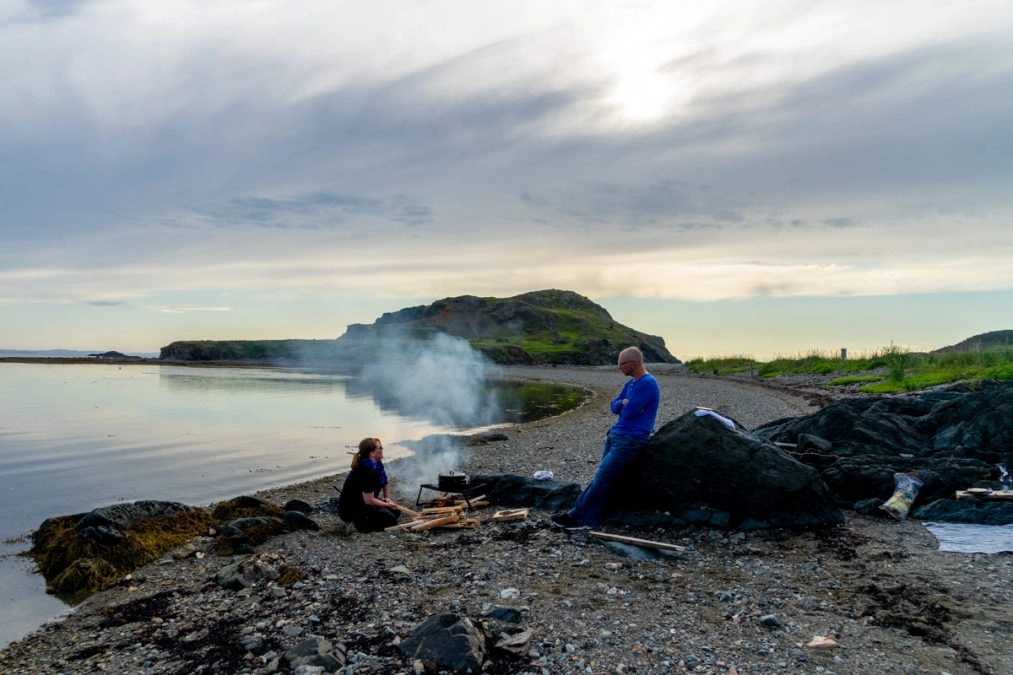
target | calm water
[{"x": 76, "y": 437}]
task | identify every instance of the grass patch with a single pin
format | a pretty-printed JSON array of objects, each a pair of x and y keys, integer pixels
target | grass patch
[
  {"x": 855, "y": 379},
  {"x": 731, "y": 365},
  {"x": 886, "y": 371}
]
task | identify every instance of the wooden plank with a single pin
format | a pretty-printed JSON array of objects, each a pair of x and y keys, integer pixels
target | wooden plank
[
  {"x": 460, "y": 525},
  {"x": 508, "y": 515},
  {"x": 637, "y": 542}
]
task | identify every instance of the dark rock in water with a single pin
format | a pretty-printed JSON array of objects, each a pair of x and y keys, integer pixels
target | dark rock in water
[
  {"x": 103, "y": 534},
  {"x": 951, "y": 439},
  {"x": 520, "y": 491},
  {"x": 106, "y": 525},
  {"x": 700, "y": 471},
  {"x": 448, "y": 640},
  {"x": 128, "y": 513}
]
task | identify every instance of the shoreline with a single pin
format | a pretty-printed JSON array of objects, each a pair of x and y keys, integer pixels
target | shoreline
[{"x": 730, "y": 602}]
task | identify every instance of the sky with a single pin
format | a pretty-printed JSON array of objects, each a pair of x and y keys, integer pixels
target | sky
[{"x": 739, "y": 178}]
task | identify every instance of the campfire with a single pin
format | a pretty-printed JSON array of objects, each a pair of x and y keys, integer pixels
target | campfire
[{"x": 454, "y": 507}]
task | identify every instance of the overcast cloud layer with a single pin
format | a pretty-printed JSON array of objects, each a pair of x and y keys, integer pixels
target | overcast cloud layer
[{"x": 251, "y": 167}]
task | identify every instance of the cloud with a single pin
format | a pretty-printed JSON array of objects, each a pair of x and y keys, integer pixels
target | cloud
[
  {"x": 326, "y": 148},
  {"x": 317, "y": 210}
]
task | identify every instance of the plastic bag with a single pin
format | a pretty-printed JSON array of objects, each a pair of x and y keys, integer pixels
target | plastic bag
[{"x": 907, "y": 487}]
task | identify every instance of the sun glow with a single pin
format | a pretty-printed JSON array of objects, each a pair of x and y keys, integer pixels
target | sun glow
[{"x": 641, "y": 94}]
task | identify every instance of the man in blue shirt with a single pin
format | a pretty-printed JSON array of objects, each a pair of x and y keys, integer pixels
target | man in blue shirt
[{"x": 637, "y": 408}]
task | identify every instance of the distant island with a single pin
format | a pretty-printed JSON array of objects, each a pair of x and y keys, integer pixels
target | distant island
[{"x": 548, "y": 327}]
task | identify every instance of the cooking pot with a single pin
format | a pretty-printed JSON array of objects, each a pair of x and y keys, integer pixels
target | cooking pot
[{"x": 452, "y": 482}]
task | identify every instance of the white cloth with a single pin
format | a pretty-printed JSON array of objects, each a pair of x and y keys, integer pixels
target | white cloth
[{"x": 700, "y": 412}]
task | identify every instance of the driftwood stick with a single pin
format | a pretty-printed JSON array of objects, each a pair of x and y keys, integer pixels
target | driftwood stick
[
  {"x": 637, "y": 542},
  {"x": 406, "y": 526},
  {"x": 408, "y": 512}
]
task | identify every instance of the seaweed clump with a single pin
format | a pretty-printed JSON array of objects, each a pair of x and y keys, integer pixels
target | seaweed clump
[{"x": 84, "y": 553}]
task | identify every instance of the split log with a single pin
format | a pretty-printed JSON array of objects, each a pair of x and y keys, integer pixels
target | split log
[
  {"x": 461, "y": 524},
  {"x": 404, "y": 527},
  {"x": 637, "y": 542},
  {"x": 437, "y": 522},
  {"x": 434, "y": 510}
]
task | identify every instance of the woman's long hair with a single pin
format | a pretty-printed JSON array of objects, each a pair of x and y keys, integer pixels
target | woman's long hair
[{"x": 366, "y": 446}]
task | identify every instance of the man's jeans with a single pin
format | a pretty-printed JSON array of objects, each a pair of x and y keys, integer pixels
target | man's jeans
[{"x": 619, "y": 451}]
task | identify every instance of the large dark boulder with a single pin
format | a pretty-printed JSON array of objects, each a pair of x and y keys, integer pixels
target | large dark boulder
[
  {"x": 520, "y": 491},
  {"x": 697, "y": 470},
  {"x": 952, "y": 439}
]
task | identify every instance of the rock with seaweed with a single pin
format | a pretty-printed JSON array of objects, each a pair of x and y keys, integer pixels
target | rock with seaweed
[{"x": 83, "y": 553}]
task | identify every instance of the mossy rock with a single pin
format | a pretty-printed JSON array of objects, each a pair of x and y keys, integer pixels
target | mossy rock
[
  {"x": 78, "y": 561},
  {"x": 83, "y": 577},
  {"x": 242, "y": 534},
  {"x": 244, "y": 507}
]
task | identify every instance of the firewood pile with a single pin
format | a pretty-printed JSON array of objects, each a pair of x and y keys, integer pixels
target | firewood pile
[{"x": 453, "y": 512}]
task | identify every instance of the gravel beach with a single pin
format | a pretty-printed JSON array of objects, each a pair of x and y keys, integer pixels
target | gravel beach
[{"x": 872, "y": 596}]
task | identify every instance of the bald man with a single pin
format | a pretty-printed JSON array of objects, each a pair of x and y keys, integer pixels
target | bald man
[{"x": 636, "y": 407}]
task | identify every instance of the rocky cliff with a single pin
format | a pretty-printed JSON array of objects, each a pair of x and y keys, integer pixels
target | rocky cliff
[{"x": 541, "y": 327}]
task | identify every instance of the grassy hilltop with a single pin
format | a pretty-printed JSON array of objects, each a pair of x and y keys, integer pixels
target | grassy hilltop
[
  {"x": 988, "y": 356},
  {"x": 542, "y": 327}
]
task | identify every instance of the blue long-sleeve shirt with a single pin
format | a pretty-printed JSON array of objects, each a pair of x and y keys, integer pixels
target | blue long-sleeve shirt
[{"x": 636, "y": 418}]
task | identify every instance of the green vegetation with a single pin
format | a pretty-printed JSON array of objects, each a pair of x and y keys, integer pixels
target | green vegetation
[
  {"x": 889, "y": 370},
  {"x": 542, "y": 327}
]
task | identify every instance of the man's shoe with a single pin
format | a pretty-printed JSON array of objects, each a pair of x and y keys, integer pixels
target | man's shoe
[
  {"x": 562, "y": 520},
  {"x": 568, "y": 523}
]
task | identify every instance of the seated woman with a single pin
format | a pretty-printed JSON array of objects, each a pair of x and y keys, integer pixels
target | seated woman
[{"x": 360, "y": 502}]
